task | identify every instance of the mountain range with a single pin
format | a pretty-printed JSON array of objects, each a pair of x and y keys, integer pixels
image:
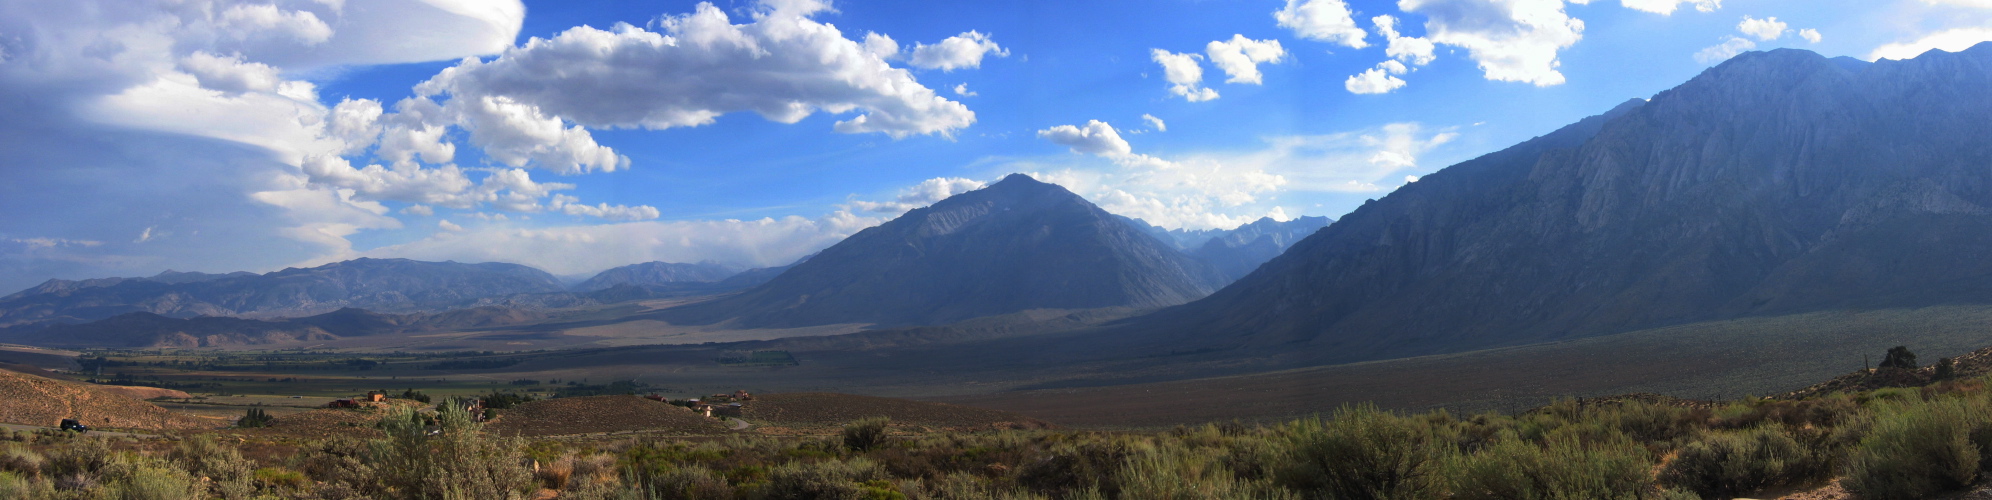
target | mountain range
[
  {"x": 385, "y": 285},
  {"x": 1015, "y": 245},
  {"x": 1774, "y": 183},
  {"x": 658, "y": 273},
  {"x": 1237, "y": 251},
  {"x": 148, "y": 330}
]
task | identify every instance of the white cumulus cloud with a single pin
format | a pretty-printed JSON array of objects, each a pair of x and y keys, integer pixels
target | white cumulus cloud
[
  {"x": 1095, "y": 138},
  {"x": 1155, "y": 123},
  {"x": 230, "y": 74},
  {"x": 1763, "y": 30},
  {"x": 782, "y": 65},
  {"x": 1725, "y": 50},
  {"x": 1667, "y": 7},
  {"x": 1952, "y": 40},
  {"x": 1411, "y": 50},
  {"x": 1322, "y": 20},
  {"x": 919, "y": 195},
  {"x": 1511, "y": 40},
  {"x": 1185, "y": 75},
  {"x": 1377, "y": 80},
  {"x": 960, "y": 51},
  {"x": 1240, "y": 57},
  {"x": 1810, "y": 35}
]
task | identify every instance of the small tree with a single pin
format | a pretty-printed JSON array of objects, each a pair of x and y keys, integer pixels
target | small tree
[
  {"x": 255, "y": 418},
  {"x": 1946, "y": 369},
  {"x": 1899, "y": 357},
  {"x": 415, "y": 395}
]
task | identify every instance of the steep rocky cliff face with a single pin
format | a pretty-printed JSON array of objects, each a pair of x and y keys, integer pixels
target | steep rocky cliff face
[
  {"x": 1018, "y": 244},
  {"x": 375, "y": 284},
  {"x": 1776, "y": 182}
]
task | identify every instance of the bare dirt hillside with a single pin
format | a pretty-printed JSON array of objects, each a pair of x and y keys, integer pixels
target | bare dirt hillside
[
  {"x": 33, "y": 400},
  {"x": 805, "y": 409},
  {"x": 141, "y": 392},
  {"x": 598, "y": 414}
]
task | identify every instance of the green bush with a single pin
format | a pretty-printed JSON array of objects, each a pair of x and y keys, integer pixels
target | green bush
[
  {"x": 688, "y": 483},
  {"x": 819, "y": 480},
  {"x": 1363, "y": 453},
  {"x": 280, "y": 479},
  {"x": 20, "y": 460},
  {"x": 866, "y": 434},
  {"x": 457, "y": 461},
  {"x": 1562, "y": 468},
  {"x": 148, "y": 479},
  {"x": 1730, "y": 464},
  {"x": 1919, "y": 449},
  {"x": 1177, "y": 473}
]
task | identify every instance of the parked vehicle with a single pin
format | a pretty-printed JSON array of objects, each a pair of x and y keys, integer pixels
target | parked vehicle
[{"x": 70, "y": 424}]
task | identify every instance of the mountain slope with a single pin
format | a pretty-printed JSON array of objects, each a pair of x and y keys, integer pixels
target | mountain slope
[
  {"x": 657, "y": 273},
  {"x": 1018, "y": 244},
  {"x": 1237, "y": 251},
  {"x": 1776, "y": 182},
  {"x": 144, "y": 329},
  {"x": 375, "y": 284}
]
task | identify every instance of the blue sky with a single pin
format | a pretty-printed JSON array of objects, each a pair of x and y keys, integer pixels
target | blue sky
[{"x": 222, "y": 135}]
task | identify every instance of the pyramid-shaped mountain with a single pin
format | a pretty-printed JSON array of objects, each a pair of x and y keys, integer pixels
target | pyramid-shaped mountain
[
  {"x": 1777, "y": 182},
  {"x": 1016, "y": 245}
]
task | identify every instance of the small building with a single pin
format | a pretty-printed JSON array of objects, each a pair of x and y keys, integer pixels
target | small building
[
  {"x": 729, "y": 410},
  {"x": 376, "y": 396},
  {"x": 742, "y": 395}
]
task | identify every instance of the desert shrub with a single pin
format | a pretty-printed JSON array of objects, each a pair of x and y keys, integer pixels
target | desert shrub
[
  {"x": 1729, "y": 464},
  {"x": 865, "y": 434},
  {"x": 969, "y": 486},
  {"x": 230, "y": 476},
  {"x": 280, "y": 479},
  {"x": 1068, "y": 468},
  {"x": 688, "y": 483},
  {"x": 1363, "y": 453},
  {"x": 20, "y": 460},
  {"x": 145, "y": 479},
  {"x": 75, "y": 466},
  {"x": 345, "y": 468},
  {"x": 1174, "y": 473},
  {"x": 554, "y": 474},
  {"x": 1919, "y": 449},
  {"x": 457, "y": 461},
  {"x": 818, "y": 480},
  {"x": 1563, "y": 467},
  {"x": 13, "y": 485},
  {"x": 1649, "y": 422}
]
